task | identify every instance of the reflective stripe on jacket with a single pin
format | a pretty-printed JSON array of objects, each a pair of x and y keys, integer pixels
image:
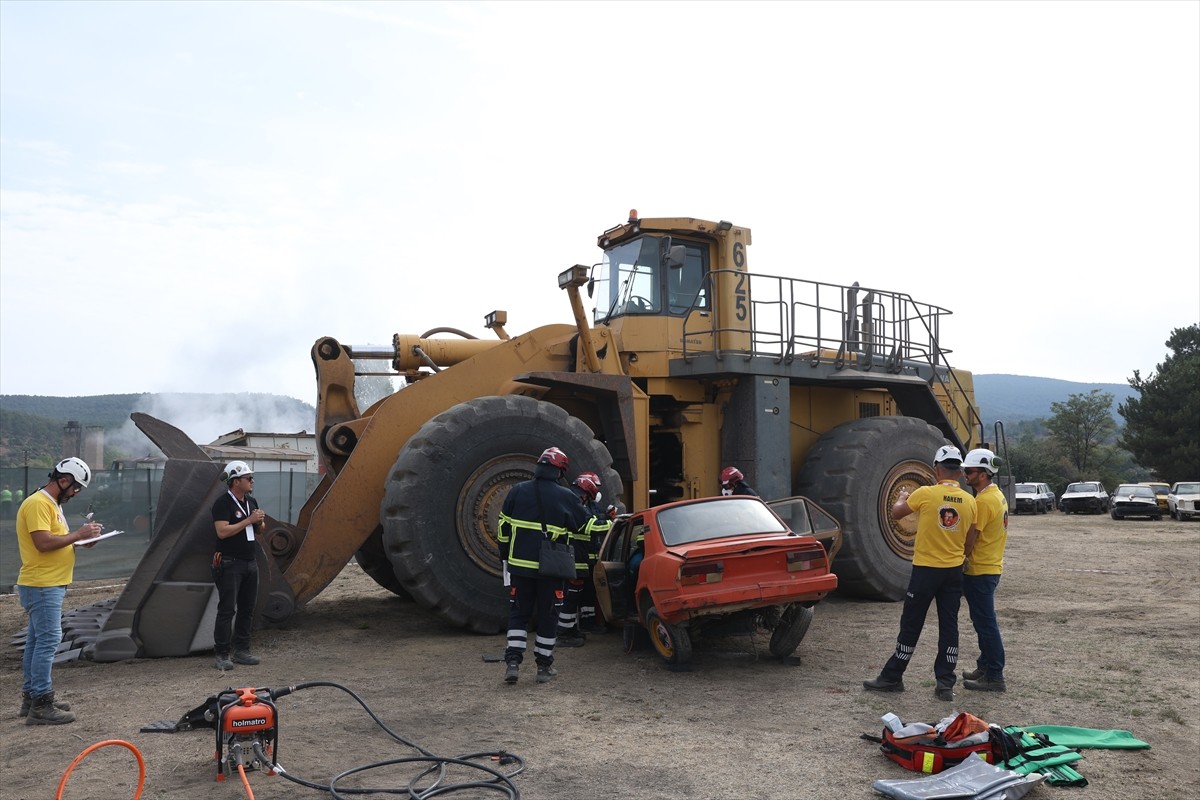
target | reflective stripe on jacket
[{"x": 520, "y": 530}]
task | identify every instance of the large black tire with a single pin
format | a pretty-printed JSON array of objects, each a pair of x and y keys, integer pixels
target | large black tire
[
  {"x": 374, "y": 562},
  {"x": 672, "y": 642},
  {"x": 789, "y": 631},
  {"x": 444, "y": 494},
  {"x": 856, "y": 471}
]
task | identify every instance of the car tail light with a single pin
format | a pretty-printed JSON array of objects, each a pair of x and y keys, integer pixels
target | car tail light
[
  {"x": 695, "y": 574},
  {"x": 800, "y": 560}
]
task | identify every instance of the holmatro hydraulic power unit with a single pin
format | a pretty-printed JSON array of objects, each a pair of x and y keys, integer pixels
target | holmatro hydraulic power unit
[{"x": 247, "y": 731}]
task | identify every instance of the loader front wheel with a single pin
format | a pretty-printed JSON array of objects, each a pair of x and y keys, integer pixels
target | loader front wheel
[
  {"x": 442, "y": 502},
  {"x": 375, "y": 563},
  {"x": 855, "y": 471}
]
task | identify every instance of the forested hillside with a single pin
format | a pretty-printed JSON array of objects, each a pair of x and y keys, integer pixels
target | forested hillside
[{"x": 1014, "y": 398}]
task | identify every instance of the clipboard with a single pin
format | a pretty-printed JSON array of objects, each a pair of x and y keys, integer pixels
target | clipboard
[{"x": 99, "y": 538}]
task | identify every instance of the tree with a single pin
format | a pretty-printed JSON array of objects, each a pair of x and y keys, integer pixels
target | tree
[
  {"x": 1162, "y": 424},
  {"x": 1081, "y": 427}
]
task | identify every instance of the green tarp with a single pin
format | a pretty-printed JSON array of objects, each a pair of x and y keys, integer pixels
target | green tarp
[{"x": 1089, "y": 737}]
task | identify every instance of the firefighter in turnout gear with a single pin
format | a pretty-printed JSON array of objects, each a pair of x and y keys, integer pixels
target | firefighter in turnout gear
[
  {"x": 534, "y": 509},
  {"x": 578, "y": 610}
]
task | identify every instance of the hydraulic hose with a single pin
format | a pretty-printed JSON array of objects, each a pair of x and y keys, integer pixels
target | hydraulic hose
[
  {"x": 62, "y": 784},
  {"x": 496, "y": 780}
]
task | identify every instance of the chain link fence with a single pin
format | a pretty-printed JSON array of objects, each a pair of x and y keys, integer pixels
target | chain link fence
[{"x": 127, "y": 500}]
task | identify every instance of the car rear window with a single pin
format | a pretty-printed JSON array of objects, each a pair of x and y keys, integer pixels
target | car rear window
[
  {"x": 698, "y": 522},
  {"x": 1188, "y": 488},
  {"x": 1026, "y": 488}
]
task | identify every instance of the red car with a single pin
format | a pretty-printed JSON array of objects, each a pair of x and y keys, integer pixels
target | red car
[{"x": 678, "y": 568}]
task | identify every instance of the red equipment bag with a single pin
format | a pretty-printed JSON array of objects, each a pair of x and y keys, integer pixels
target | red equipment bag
[{"x": 929, "y": 753}]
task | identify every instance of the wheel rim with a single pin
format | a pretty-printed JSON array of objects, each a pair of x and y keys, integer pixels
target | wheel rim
[
  {"x": 479, "y": 504},
  {"x": 663, "y": 641},
  {"x": 900, "y": 535}
]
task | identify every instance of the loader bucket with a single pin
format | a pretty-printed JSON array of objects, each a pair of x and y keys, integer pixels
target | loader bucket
[{"x": 169, "y": 604}]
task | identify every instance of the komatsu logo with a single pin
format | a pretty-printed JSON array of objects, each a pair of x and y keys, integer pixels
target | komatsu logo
[{"x": 244, "y": 723}]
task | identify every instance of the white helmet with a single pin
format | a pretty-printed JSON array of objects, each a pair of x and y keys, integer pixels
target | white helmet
[
  {"x": 983, "y": 458},
  {"x": 76, "y": 468},
  {"x": 948, "y": 452},
  {"x": 236, "y": 469}
]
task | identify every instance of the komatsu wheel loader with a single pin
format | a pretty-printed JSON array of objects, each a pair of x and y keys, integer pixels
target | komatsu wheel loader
[{"x": 687, "y": 362}]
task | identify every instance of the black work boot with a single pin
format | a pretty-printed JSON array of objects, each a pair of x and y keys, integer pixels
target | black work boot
[
  {"x": 985, "y": 684},
  {"x": 545, "y": 673},
  {"x": 27, "y": 702},
  {"x": 42, "y": 711},
  {"x": 569, "y": 637},
  {"x": 944, "y": 693},
  {"x": 882, "y": 684},
  {"x": 512, "y": 672},
  {"x": 974, "y": 674}
]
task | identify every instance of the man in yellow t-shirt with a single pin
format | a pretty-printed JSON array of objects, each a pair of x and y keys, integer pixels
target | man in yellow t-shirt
[
  {"x": 945, "y": 512},
  {"x": 47, "y": 567},
  {"x": 985, "y": 554}
]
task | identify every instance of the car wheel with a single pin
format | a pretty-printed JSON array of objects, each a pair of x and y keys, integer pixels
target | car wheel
[
  {"x": 1173, "y": 515},
  {"x": 634, "y": 637},
  {"x": 1113, "y": 514},
  {"x": 789, "y": 631},
  {"x": 671, "y": 641}
]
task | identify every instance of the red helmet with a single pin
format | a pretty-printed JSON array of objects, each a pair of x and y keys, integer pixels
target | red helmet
[
  {"x": 589, "y": 482},
  {"x": 731, "y": 475},
  {"x": 554, "y": 457}
]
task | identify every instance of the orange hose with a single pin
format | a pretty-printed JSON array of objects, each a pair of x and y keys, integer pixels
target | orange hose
[
  {"x": 137, "y": 754},
  {"x": 245, "y": 782}
]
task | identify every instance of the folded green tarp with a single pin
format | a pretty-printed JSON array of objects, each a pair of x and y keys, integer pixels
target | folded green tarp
[{"x": 1089, "y": 737}]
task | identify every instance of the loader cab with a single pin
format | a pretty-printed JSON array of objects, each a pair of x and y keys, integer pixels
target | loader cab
[{"x": 652, "y": 276}]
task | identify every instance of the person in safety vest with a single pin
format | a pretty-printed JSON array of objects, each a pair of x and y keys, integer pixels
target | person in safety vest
[
  {"x": 47, "y": 568},
  {"x": 236, "y": 517},
  {"x": 535, "y": 509},
  {"x": 945, "y": 512},
  {"x": 734, "y": 482},
  {"x": 985, "y": 561},
  {"x": 578, "y": 610}
]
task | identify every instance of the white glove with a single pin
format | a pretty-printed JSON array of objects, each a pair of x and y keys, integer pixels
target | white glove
[
  {"x": 598, "y": 496},
  {"x": 504, "y": 571}
]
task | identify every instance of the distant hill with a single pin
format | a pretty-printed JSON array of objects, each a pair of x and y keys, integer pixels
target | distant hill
[
  {"x": 34, "y": 424},
  {"x": 1013, "y": 398}
]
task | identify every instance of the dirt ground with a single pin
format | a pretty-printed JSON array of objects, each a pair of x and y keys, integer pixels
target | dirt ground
[{"x": 1101, "y": 621}]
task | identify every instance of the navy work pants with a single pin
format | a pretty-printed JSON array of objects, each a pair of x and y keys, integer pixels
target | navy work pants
[
  {"x": 528, "y": 594},
  {"x": 943, "y": 585}
]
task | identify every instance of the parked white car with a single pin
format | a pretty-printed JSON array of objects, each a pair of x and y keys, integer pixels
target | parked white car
[
  {"x": 1085, "y": 497},
  {"x": 1183, "y": 501},
  {"x": 1035, "y": 498}
]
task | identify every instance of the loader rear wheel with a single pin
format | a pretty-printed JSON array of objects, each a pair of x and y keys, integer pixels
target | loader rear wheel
[
  {"x": 855, "y": 471},
  {"x": 443, "y": 497}
]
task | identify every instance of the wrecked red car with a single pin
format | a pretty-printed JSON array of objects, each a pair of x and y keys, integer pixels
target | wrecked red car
[{"x": 718, "y": 563}]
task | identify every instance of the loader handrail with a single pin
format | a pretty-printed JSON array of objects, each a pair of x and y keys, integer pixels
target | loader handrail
[{"x": 847, "y": 327}]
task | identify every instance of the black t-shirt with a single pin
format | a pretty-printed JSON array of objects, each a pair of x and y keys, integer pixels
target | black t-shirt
[{"x": 226, "y": 509}]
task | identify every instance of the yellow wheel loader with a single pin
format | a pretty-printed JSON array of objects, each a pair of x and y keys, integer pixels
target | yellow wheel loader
[{"x": 685, "y": 363}]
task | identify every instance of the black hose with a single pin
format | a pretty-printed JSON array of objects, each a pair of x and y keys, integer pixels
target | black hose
[{"x": 498, "y": 782}]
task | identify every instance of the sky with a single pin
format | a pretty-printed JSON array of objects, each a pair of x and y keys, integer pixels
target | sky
[{"x": 191, "y": 194}]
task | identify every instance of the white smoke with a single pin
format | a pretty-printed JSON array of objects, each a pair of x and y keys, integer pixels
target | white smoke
[{"x": 204, "y": 417}]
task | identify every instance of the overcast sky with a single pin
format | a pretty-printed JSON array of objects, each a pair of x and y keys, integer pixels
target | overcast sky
[{"x": 192, "y": 193}]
